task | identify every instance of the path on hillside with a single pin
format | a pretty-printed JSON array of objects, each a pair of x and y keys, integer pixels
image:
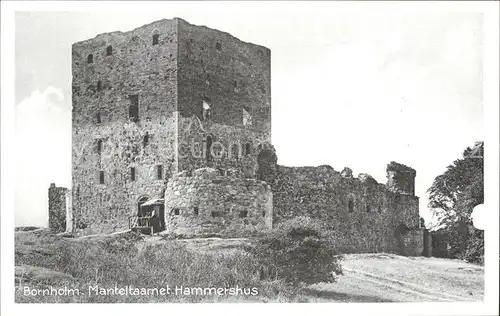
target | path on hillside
[{"x": 392, "y": 278}]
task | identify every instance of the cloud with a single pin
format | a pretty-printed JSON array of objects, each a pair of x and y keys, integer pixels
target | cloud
[
  {"x": 43, "y": 152},
  {"x": 45, "y": 100}
]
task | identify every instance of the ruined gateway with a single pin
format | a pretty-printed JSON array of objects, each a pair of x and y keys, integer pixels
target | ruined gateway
[{"x": 182, "y": 113}]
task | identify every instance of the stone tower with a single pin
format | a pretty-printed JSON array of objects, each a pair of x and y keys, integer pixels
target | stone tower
[
  {"x": 166, "y": 97},
  {"x": 401, "y": 178}
]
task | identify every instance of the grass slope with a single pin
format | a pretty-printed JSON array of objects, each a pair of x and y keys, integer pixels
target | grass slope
[{"x": 44, "y": 260}]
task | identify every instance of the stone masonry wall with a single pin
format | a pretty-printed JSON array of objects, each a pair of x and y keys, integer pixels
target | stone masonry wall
[
  {"x": 206, "y": 202},
  {"x": 234, "y": 78},
  {"x": 227, "y": 72},
  {"x": 231, "y": 147},
  {"x": 57, "y": 208},
  {"x": 363, "y": 214},
  {"x": 101, "y": 100},
  {"x": 170, "y": 67}
]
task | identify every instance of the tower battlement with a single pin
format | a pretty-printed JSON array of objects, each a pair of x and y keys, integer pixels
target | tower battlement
[{"x": 401, "y": 178}]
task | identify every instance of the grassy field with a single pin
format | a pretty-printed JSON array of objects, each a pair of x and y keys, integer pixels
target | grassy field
[
  {"x": 44, "y": 260},
  {"x": 392, "y": 278}
]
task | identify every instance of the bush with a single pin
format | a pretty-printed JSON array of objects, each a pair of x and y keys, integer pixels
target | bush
[
  {"x": 298, "y": 251},
  {"x": 474, "y": 252}
]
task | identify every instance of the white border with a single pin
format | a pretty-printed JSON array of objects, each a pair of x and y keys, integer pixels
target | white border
[{"x": 491, "y": 87}]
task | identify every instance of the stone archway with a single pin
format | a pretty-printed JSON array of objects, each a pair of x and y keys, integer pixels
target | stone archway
[{"x": 141, "y": 201}]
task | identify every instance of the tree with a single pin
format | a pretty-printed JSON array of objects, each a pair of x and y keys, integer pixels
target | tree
[{"x": 454, "y": 194}]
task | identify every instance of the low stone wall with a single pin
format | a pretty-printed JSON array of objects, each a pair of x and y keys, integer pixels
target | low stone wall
[{"x": 208, "y": 202}]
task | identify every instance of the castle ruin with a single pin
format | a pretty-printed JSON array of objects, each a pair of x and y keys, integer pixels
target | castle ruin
[{"x": 181, "y": 114}]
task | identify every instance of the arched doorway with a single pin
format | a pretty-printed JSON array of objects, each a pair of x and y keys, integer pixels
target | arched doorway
[{"x": 141, "y": 201}]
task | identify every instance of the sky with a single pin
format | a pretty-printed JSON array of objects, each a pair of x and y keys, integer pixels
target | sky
[{"x": 356, "y": 88}]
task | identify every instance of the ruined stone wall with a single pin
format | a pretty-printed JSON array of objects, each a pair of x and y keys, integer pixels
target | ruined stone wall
[
  {"x": 175, "y": 69},
  {"x": 413, "y": 242},
  {"x": 363, "y": 214},
  {"x": 57, "y": 208},
  {"x": 231, "y": 147},
  {"x": 101, "y": 100},
  {"x": 400, "y": 178},
  {"x": 205, "y": 202}
]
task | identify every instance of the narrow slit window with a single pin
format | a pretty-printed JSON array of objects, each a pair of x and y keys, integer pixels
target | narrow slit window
[
  {"x": 109, "y": 50},
  {"x": 132, "y": 173},
  {"x": 99, "y": 85},
  {"x": 156, "y": 37},
  {"x": 98, "y": 117},
  {"x": 133, "y": 112},
  {"x": 101, "y": 177},
  {"x": 145, "y": 139},
  {"x": 159, "y": 172},
  {"x": 248, "y": 149},
  {"x": 90, "y": 59},
  {"x": 99, "y": 146},
  {"x": 196, "y": 211}
]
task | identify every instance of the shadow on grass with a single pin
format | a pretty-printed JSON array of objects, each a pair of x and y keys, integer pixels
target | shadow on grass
[{"x": 343, "y": 297}]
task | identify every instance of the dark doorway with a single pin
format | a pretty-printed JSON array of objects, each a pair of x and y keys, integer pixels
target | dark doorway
[
  {"x": 209, "y": 148},
  {"x": 159, "y": 221},
  {"x": 141, "y": 201},
  {"x": 162, "y": 217}
]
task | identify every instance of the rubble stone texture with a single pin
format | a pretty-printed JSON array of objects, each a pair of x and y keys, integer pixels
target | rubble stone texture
[
  {"x": 183, "y": 112},
  {"x": 206, "y": 202}
]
